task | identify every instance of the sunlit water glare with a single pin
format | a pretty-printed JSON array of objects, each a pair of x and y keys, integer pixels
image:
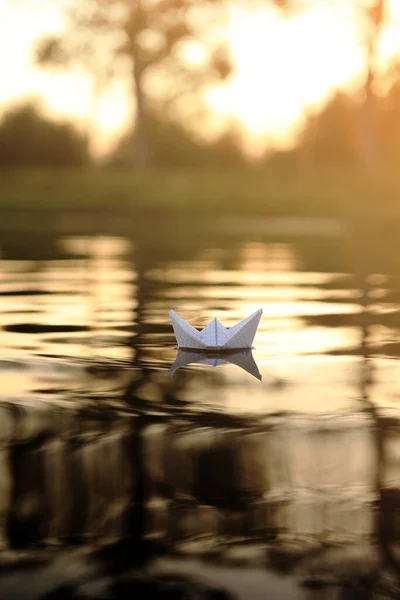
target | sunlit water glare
[{"x": 296, "y": 477}]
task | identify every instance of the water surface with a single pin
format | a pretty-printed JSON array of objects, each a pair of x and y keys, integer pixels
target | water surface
[{"x": 118, "y": 479}]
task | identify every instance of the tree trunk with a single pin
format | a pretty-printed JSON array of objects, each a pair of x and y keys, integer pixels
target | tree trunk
[
  {"x": 369, "y": 151},
  {"x": 90, "y": 121},
  {"x": 141, "y": 155},
  {"x": 369, "y": 146}
]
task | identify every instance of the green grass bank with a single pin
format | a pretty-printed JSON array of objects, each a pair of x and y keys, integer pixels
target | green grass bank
[{"x": 331, "y": 193}]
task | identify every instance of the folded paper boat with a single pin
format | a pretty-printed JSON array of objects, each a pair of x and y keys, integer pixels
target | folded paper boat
[
  {"x": 242, "y": 358},
  {"x": 215, "y": 336}
]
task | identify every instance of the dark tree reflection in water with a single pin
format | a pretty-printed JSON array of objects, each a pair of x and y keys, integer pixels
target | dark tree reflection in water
[{"x": 119, "y": 481}]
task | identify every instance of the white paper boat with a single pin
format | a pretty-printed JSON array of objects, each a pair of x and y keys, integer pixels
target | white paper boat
[
  {"x": 241, "y": 358},
  {"x": 215, "y": 336}
]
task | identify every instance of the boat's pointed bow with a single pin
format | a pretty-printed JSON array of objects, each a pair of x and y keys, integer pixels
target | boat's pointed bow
[{"x": 242, "y": 334}]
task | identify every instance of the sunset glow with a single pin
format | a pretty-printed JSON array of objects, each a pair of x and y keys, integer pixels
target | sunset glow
[{"x": 285, "y": 67}]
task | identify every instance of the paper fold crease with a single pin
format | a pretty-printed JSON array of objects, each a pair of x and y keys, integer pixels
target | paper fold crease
[{"x": 215, "y": 336}]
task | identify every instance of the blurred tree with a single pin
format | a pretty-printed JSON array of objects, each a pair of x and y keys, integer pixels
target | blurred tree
[
  {"x": 372, "y": 21},
  {"x": 173, "y": 145},
  {"x": 29, "y": 139},
  {"x": 330, "y": 135},
  {"x": 227, "y": 152},
  {"x": 389, "y": 122},
  {"x": 171, "y": 47}
]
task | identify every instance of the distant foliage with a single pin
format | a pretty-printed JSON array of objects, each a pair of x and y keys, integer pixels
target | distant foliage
[
  {"x": 333, "y": 136},
  {"x": 27, "y": 138},
  {"x": 150, "y": 41},
  {"x": 175, "y": 147}
]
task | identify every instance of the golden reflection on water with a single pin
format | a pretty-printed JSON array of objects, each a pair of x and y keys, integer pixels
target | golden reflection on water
[
  {"x": 90, "y": 302},
  {"x": 306, "y": 460}
]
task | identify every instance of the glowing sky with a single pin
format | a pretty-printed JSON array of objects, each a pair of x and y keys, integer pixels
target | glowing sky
[{"x": 285, "y": 66}]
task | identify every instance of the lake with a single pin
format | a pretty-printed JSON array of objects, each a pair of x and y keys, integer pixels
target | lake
[{"x": 130, "y": 470}]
